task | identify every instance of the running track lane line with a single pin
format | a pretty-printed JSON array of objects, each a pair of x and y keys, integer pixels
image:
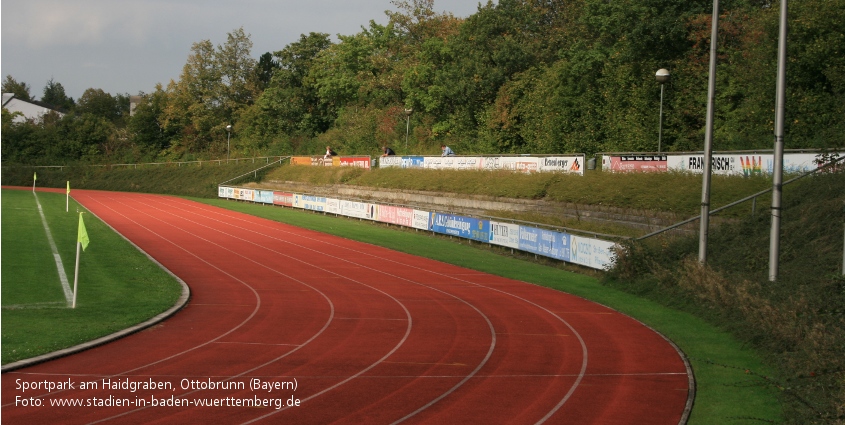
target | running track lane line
[
  {"x": 432, "y": 402},
  {"x": 344, "y": 247},
  {"x": 584, "y": 350},
  {"x": 566, "y": 397},
  {"x": 404, "y": 338}
]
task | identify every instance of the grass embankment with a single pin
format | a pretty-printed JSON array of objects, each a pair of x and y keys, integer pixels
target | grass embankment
[
  {"x": 664, "y": 192},
  {"x": 118, "y": 286},
  {"x": 199, "y": 180},
  {"x": 797, "y": 322}
]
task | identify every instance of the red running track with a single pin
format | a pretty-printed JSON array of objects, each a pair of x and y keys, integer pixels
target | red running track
[{"x": 362, "y": 333}]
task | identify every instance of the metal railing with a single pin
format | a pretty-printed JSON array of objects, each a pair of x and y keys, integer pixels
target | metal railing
[{"x": 832, "y": 164}]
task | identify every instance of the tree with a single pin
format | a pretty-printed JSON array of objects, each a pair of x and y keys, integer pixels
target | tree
[
  {"x": 19, "y": 89},
  {"x": 54, "y": 95},
  {"x": 98, "y": 103}
]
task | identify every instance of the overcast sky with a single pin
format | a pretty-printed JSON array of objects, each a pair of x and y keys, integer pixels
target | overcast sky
[{"x": 124, "y": 46}]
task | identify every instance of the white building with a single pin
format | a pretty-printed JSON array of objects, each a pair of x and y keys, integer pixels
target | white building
[{"x": 29, "y": 110}]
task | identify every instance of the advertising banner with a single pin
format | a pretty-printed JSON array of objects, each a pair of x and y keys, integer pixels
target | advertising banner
[
  {"x": 591, "y": 252},
  {"x": 464, "y": 227},
  {"x": 244, "y": 194},
  {"x": 544, "y": 242},
  {"x": 221, "y": 192},
  {"x": 354, "y": 161},
  {"x": 562, "y": 164},
  {"x": 390, "y": 161},
  {"x": 396, "y": 215},
  {"x": 300, "y": 160},
  {"x": 283, "y": 198},
  {"x": 635, "y": 163},
  {"x": 504, "y": 234},
  {"x": 333, "y": 206},
  {"x": 523, "y": 164},
  {"x": 453, "y": 162},
  {"x": 421, "y": 219},
  {"x": 413, "y": 162},
  {"x": 264, "y": 196},
  {"x": 359, "y": 210},
  {"x": 744, "y": 164},
  {"x": 309, "y": 202}
]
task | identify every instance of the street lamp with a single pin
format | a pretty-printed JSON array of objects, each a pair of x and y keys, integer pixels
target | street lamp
[
  {"x": 228, "y": 137},
  {"x": 662, "y": 76},
  {"x": 408, "y": 112}
]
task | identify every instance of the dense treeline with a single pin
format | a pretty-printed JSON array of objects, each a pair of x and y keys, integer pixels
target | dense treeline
[{"x": 518, "y": 76}]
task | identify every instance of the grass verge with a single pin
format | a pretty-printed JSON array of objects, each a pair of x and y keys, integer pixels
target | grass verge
[
  {"x": 118, "y": 285},
  {"x": 731, "y": 379}
]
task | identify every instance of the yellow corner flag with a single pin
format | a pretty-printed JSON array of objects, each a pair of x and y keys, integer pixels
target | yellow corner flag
[
  {"x": 82, "y": 236},
  {"x": 68, "y": 187},
  {"x": 34, "y": 176}
]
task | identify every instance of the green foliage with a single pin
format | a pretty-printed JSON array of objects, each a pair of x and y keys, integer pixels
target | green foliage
[
  {"x": 20, "y": 89},
  {"x": 518, "y": 76},
  {"x": 54, "y": 95},
  {"x": 797, "y": 321}
]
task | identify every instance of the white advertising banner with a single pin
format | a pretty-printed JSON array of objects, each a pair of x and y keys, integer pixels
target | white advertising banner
[
  {"x": 421, "y": 219},
  {"x": 359, "y": 210},
  {"x": 333, "y": 206},
  {"x": 594, "y": 253},
  {"x": 743, "y": 164},
  {"x": 390, "y": 161},
  {"x": 504, "y": 234},
  {"x": 453, "y": 162}
]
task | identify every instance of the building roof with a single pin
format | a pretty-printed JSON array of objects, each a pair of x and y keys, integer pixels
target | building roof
[{"x": 29, "y": 111}]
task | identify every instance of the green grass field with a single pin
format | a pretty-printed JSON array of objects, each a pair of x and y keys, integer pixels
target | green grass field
[{"x": 118, "y": 285}]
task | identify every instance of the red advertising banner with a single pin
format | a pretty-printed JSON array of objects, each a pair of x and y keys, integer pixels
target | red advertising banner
[
  {"x": 638, "y": 163},
  {"x": 283, "y": 198},
  {"x": 396, "y": 215}
]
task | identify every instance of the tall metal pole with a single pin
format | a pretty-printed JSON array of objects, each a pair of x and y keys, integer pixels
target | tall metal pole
[
  {"x": 708, "y": 140},
  {"x": 660, "y": 132},
  {"x": 408, "y": 112},
  {"x": 777, "y": 172},
  {"x": 228, "y": 137},
  {"x": 407, "y": 130},
  {"x": 662, "y": 75}
]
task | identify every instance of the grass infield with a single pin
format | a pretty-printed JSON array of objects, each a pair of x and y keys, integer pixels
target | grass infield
[
  {"x": 731, "y": 383},
  {"x": 118, "y": 285}
]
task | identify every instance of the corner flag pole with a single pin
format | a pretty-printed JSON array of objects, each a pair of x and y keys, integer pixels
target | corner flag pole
[{"x": 81, "y": 242}]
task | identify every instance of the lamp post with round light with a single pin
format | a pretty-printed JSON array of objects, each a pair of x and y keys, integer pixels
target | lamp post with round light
[
  {"x": 228, "y": 137},
  {"x": 662, "y": 76},
  {"x": 408, "y": 112}
]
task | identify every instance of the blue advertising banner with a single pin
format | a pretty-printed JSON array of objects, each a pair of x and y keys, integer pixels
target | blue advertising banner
[
  {"x": 544, "y": 242},
  {"x": 465, "y": 227},
  {"x": 413, "y": 161}
]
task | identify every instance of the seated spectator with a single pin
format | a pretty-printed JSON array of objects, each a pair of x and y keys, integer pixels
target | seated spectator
[
  {"x": 387, "y": 151},
  {"x": 446, "y": 151},
  {"x": 329, "y": 153}
]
